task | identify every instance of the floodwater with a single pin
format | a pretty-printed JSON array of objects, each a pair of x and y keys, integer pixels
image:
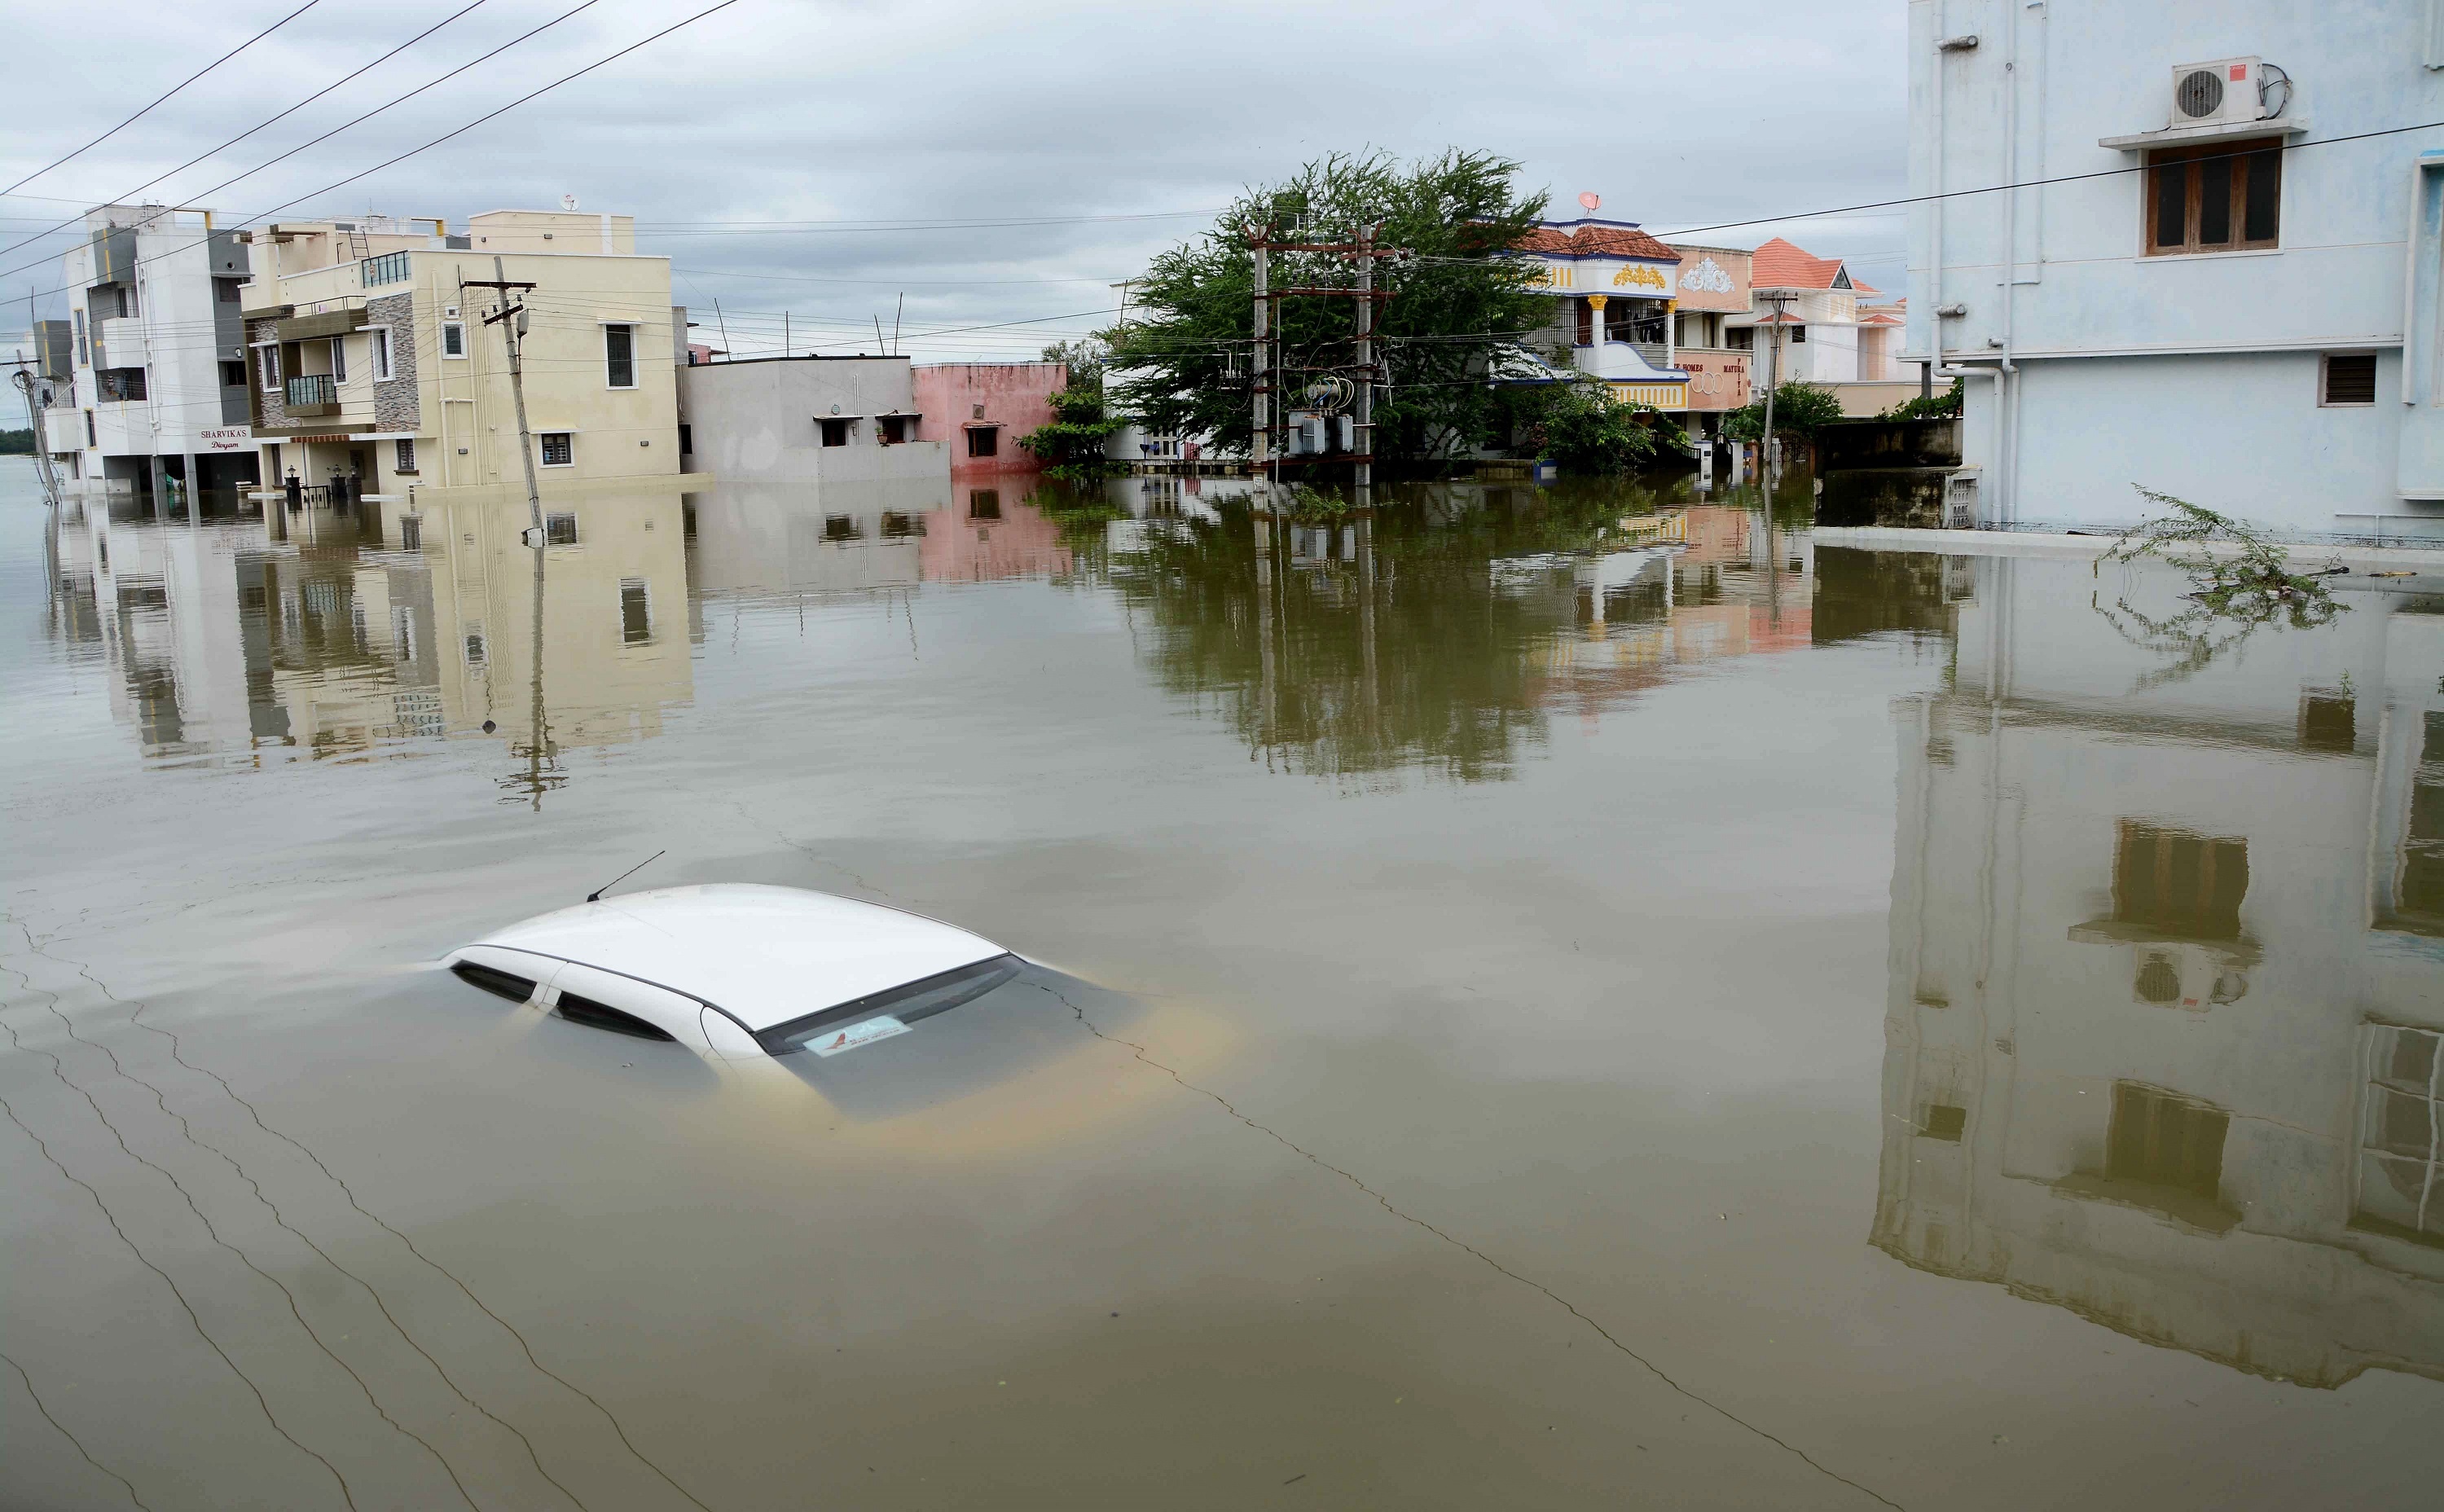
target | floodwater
[{"x": 1527, "y": 1011}]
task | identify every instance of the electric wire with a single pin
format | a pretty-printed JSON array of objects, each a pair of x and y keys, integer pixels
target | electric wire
[
  {"x": 171, "y": 90},
  {"x": 130, "y": 194}
]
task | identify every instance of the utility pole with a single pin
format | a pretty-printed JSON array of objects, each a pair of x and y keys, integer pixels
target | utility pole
[
  {"x": 1365, "y": 426},
  {"x": 1269, "y": 360},
  {"x": 1262, "y": 451},
  {"x": 511, "y": 318},
  {"x": 1772, "y": 380}
]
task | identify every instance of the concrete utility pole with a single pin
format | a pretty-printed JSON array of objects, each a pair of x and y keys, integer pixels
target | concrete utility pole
[
  {"x": 1268, "y": 335},
  {"x": 1364, "y": 425},
  {"x": 1262, "y": 451},
  {"x": 511, "y": 318},
  {"x": 1772, "y": 382}
]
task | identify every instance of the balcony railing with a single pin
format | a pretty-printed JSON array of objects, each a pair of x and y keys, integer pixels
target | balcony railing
[
  {"x": 312, "y": 393},
  {"x": 390, "y": 268}
]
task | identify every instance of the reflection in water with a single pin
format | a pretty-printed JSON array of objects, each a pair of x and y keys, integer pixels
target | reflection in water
[
  {"x": 1442, "y": 627},
  {"x": 347, "y": 630},
  {"x": 2168, "y": 976}
]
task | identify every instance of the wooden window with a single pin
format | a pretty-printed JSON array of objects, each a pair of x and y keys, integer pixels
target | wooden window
[
  {"x": 2177, "y": 884},
  {"x": 984, "y": 504},
  {"x": 405, "y": 455},
  {"x": 2161, "y": 1139},
  {"x": 1586, "y": 336},
  {"x": 2215, "y": 197},
  {"x": 835, "y": 432},
  {"x": 984, "y": 440},
  {"x": 2348, "y": 380},
  {"x": 899, "y": 428}
]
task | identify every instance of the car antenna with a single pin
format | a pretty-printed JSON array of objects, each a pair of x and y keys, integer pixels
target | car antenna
[{"x": 595, "y": 896}]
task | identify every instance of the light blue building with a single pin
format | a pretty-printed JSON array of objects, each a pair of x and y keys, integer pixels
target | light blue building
[{"x": 2221, "y": 275}]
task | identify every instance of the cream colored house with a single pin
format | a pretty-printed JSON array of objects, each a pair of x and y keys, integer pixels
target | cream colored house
[{"x": 368, "y": 357}]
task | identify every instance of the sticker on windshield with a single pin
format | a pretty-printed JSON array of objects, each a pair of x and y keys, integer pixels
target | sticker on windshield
[{"x": 839, "y": 1042}]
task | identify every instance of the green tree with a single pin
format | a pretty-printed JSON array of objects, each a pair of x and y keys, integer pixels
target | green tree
[
  {"x": 1798, "y": 409},
  {"x": 1072, "y": 446},
  {"x": 1181, "y": 359},
  {"x": 1943, "y": 406},
  {"x": 1581, "y": 426},
  {"x": 17, "y": 443}
]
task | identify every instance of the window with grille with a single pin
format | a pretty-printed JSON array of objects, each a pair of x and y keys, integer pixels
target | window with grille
[
  {"x": 2418, "y": 883},
  {"x": 453, "y": 339},
  {"x": 560, "y": 530},
  {"x": 2348, "y": 379},
  {"x": 2401, "y": 1135},
  {"x": 232, "y": 375},
  {"x": 269, "y": 360},
  {"x": 404, "y": 456},
  {"x": 558, "y": 449},
  {"x": 2215, "y": 198},
  {"x": 619, "y": 355},
  {"x": 2179, "y": 884}
]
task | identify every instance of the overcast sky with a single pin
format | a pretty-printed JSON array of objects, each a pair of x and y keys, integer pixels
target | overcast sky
[{"x": 1100, "y": 119}]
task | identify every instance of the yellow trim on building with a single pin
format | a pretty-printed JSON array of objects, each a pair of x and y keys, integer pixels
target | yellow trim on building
[{"x": 1654, "y": 396}]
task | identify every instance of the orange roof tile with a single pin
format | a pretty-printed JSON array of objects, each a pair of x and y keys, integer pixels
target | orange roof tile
[
  {"x": 1585, "y": 240},
  {"x": 1779, "y": 264}
]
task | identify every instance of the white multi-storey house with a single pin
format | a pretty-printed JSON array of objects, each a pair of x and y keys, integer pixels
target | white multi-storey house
[
  {"x": 158, "y": 355},
  {"x": 2221, "y": 275}
]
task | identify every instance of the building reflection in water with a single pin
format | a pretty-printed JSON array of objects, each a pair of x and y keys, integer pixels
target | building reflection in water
[
  {"x": 1443, "y": 628},
  {"x": 262, "y": 633},
  {"x": 756, "y": 540},
  {"x": 2168, "y": 974}
]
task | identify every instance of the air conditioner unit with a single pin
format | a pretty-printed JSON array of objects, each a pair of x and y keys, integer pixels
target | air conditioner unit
[{"x": 2220, "y": 93}]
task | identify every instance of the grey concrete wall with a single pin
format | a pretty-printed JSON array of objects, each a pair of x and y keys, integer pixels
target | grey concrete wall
[{"x": 758, "y": 420}]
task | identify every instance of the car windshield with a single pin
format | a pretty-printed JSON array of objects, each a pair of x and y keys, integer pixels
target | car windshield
[{"x": 891, "y": 1011}]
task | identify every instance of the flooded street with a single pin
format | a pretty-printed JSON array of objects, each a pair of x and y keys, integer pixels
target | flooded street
[{"x": 1533, "y": 1001}]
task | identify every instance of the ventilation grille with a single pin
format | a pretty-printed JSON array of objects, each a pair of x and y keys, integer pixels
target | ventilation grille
[{"x": 2199, "y": 94}]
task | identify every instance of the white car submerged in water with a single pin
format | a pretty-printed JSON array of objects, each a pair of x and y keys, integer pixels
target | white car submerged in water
[{"x": 736, "y": 971}]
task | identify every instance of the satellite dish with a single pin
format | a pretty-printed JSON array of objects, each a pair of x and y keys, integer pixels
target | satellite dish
[
  {"x": 569, "y": 202},
  {"x": 1587, "y": 201}
]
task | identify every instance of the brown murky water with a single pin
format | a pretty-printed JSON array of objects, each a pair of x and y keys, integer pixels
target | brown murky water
[{"x": 1533, "y": 1013}]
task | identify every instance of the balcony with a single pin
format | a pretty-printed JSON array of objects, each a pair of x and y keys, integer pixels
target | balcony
[
  {"x": 390, "y": 267},
  {"x": 310, "y": 395}
]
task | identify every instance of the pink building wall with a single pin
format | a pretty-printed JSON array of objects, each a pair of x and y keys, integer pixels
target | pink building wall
[{"x": 1015, "y": 397}]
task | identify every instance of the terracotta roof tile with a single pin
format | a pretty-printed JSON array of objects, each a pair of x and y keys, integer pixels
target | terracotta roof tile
[
  {"x": 1779, "y": 264},
  {"x": 1597, "y": 241}
]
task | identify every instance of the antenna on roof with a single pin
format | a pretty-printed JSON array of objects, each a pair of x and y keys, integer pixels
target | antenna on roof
[
  {"x": 595, "y": 896},
  {"x": 568, "y": 201},
  {"x": 1590, "y": 201}
]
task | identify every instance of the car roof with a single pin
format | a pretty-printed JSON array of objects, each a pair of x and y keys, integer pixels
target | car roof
[{"x": 765, "y": 956}]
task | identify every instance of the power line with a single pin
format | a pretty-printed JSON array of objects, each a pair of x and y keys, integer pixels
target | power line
[
  {"x": 2059, "y": 178},
  {"x": 173, "y": 89},
  {"x": 446, "y": 136},
  {"x": 259, "y": 125}
]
